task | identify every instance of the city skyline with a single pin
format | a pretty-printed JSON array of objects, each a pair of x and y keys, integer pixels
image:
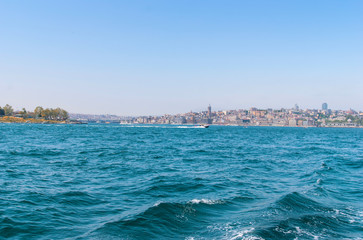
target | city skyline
[
  {"x": 323, "y": 106},
  {"x": 209, "y": 110},
  {"x": 163, "y": 57},
  {"x": 293, "y": 117}
]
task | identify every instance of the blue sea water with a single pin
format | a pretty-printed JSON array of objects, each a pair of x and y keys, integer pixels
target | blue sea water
[{"x": 105, "y": 181}]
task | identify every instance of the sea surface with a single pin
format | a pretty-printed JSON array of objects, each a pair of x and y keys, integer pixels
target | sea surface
[{"x": 108, "y": 181}]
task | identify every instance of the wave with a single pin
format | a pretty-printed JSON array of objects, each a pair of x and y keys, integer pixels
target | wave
[
  {"x": 36, "y": 152},
  {"x": 295, "y": 215},
  {"x": 297, "y": 202},
  {"x": 76, "y": 199},
  {"x": 162, "y": 220},
  {"x": 307, "y": 226},
  {"x": 205, "y": 201},
  {"x": 246, "y": 234},
  {"x": 10, "y": 228}
]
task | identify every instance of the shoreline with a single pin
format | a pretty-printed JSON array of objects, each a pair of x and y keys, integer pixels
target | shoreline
[
  {"x": 11, "y": 119},
  {"x": 8, "y": 120}
]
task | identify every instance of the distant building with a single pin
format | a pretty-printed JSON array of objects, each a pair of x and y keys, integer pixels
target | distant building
[
  {"x": 209, "y": 111},
  {"x": 296, "y": 107},
  {"x": 293, "y": 122},
  {"x": 180, "y": 120},
  {"x": 324, "y": 106}
]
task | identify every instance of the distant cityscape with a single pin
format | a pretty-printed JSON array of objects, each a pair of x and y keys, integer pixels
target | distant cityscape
[{"x": 294, "y": 117}]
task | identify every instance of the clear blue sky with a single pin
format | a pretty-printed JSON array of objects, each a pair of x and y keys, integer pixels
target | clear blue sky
[{"x": 154, "y": 57}]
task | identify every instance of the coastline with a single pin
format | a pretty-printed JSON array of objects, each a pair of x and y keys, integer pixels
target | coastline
[
  {"x": 246, "y": 126},
  {"x": 11, "y": 119}
]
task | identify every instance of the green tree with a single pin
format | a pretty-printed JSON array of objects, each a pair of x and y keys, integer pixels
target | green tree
[
  {"x": 46, "y": 114},
  {"x": 57, "y": 114},
  {"x": 38, "y": 112},
  {"x": 350, "y": 117},
  {"x": 60, "y": 114},
  {"x": 64, "y": 114},
  {"x": 2, "y": 112},
  {"x": 8, "y": 110},
  {"x": 24, "y": 113}
]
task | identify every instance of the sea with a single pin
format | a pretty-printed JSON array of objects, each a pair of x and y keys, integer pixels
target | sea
[{"x": 112, "y": 181}]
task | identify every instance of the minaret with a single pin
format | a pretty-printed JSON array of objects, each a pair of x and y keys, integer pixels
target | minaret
[
  {"x": 324, "y": 106},
  {"x": 209, "y": 111}
]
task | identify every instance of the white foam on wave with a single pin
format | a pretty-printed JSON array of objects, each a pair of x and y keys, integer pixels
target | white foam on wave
[
  {"x": 350, "y": 215},
  {"x": 195, "y": 201},
  {"x": 205, "y": 201},
  {"x": 300, "y": 232},
  {"x": 157, "y": 203},
  {"x": 245, "y": 235},
  {"x": 231, "y": 233}
]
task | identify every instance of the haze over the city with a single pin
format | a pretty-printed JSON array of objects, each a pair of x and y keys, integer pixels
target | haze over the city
[{"x": 157, "y": 57}]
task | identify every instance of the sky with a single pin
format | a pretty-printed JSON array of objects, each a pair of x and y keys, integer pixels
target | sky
[{"x": 154, "y": 57}]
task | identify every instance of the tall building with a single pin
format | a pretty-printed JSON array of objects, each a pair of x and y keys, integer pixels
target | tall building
[
  {"x": 209, "y": 119},
  {"x": 296, "y": 107},
  {"x": 324, "y": 106}
]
